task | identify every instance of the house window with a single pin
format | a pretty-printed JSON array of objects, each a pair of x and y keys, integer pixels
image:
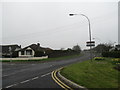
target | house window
[
  {"x": 28, "y": 52},
  {"x": 22, "y": 52}
]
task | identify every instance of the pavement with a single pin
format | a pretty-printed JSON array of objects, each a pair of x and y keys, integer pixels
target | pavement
[{"x": 34, "y": 74}]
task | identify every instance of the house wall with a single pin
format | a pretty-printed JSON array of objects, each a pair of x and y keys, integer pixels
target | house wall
[{"x": 25, "y": 55}]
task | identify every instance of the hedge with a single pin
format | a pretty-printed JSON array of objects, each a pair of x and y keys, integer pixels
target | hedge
[
  {"x": 60, "y": 53},
  {"x": 114, "y": 54}
]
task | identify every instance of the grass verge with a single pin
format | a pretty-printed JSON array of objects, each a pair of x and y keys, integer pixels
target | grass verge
[
  {"x": 48, "y": 59},
  {"x": 92, "y": 75}
]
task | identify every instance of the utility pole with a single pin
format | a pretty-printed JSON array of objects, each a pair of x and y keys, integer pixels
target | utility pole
[{"x": 10, "y": 51}]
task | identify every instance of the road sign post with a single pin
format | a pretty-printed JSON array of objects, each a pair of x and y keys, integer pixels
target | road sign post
[{"x": 90, "y": 44}]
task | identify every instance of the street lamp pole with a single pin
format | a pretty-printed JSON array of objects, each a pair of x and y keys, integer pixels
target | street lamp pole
[{"x": 89, "y": 31}]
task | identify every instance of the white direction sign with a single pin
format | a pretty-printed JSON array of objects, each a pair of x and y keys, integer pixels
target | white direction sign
[{"x": 92, "y": 43}]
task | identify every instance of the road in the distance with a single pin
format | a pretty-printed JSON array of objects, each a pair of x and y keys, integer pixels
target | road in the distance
[{"x": 34, "y": 74}]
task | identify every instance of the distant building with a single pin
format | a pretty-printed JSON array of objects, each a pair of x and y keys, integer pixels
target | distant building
[
  {"x": 33, "y": 50},
  {"x": 9, "y": 50},
  {"x": 116, "y": 48}
]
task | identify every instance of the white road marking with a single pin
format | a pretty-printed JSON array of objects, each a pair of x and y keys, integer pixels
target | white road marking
[
  {"x": 34, "y": 78},
  {"x": 51, "y": 65},
  {"x": 26, "y": 81},
  {"x": 8, "y": 74},
  {"x": 33, "y": 64},
  {"x": 45, "y": 74},
  {"x": 11, "y": 85},
  {"x": 22, "y": 82},
  {"x": 12, "y": 64},
  {"x": 14, "y": 73}
]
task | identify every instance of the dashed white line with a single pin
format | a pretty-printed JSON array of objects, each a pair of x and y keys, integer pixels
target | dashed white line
[
  {"x": 33, "y": 64},
  {"x": 12, "y": 64},
  {"x": 11, "y": 85},
  {"x": 14, "y": 73},
  {"x": 34, "y": 78},
  {"x": 51, "y": 65},
  {"x": 8, "y": 74},
  {"x": 45, "y": 74},
  {"x": 25, "y": 81}
]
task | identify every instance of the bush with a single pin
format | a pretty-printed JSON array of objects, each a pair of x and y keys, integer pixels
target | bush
[
  {"x": 116, "y": 60},
  {"x": 99, "y": 58}
]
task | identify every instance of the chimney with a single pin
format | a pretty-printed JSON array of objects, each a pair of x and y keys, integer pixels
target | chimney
[
  {"x": 38, "y": 44},
  {"x": 20, "y": 46}
]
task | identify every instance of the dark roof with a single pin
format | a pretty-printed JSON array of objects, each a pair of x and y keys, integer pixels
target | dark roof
[
  {"x": 36, "y": 47},
  {"x": 47, "y": 49},
  {"x": 6, "y": 48},
  {"x": 118, "y": 46},
  {"x": 33, "y": 46}
]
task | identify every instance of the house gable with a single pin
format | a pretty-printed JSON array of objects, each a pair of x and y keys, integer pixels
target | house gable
[{"x": 26, "y": 52}]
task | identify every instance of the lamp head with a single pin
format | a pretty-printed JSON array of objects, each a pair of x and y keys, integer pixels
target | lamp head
[{"x": 71, "y": 14}]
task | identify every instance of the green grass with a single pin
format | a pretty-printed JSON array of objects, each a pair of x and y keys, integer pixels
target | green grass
[
  {"x": 96, "y": 74},
  {"x": 48, "y": 59}
]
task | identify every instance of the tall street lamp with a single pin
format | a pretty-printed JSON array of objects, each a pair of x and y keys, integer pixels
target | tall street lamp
[{"x": 89, "y": 31}]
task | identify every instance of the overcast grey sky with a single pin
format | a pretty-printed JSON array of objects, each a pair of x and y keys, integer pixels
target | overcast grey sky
[{"x": 48, "y": 23}]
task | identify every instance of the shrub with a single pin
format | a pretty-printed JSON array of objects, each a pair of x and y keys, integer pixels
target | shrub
[
  {"x": 99, "y": 58},
  {"x": 116, "y": 60}
]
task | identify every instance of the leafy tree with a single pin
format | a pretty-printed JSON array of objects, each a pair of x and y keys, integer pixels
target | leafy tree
[
  {"x": 102, "y": 47},
  {"x": 69, "y": 49},
  {"x": 62, "y": 49},
  {"x": 76, "y": 48}
]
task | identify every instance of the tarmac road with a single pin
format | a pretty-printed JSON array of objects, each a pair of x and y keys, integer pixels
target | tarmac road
[{"x": 34, "y": 74}]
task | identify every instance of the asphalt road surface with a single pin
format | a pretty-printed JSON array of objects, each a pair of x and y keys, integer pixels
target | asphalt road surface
[{"x": 34, "y": 74}]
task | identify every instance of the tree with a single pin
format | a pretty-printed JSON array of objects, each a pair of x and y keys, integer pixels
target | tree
[
  {"x": 69, "y": 49},
  {"x": 102, "y": 47},
  {"x": 76, "y": 48},
  {"x": 62, "y": 48}
]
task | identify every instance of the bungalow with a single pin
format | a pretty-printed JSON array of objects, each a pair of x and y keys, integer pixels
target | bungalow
[{"x": 34, "y": 50}]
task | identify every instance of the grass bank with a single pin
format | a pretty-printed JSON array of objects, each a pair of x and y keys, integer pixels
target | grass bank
[
  {"x": 92, "y": 75},
  {"x": 48, "y": 59}
]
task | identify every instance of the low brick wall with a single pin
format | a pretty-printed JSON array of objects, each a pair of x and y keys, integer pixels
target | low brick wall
[{"x": 29, "y": 58}]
